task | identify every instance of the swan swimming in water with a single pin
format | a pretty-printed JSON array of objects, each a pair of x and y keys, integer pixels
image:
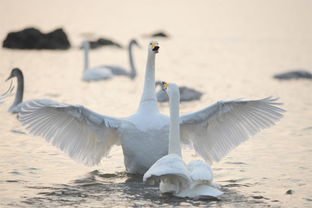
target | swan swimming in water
[
  {"x": 193, "y": 180},
  {"x": 87, "y": 136},
  {"x": 18, "y": 102},
  {"x": 108, "y": 71},
  {"x": 7, "y": 93},
  {"x": 186, "y": 94}
]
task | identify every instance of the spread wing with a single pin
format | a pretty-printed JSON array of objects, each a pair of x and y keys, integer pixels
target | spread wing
[
  {"x": 7, "y": 93},
  {"x": 84, "y": 135},
  {"x": 217, "y": 129}
]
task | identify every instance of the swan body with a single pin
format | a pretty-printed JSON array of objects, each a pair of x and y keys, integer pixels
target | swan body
[
  {"x": 7, "y": 93},
  {"x": 18, "y": 102},
  {"x": 193, "y": 180},
  {"x": 107, "y": 71},
  {"x": 87, "y": 136}
]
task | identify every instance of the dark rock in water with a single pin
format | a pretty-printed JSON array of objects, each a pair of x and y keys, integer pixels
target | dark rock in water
[
  {"x": 257, "y": 197},
  {"x": 31, "y": 38},
  {"x": 296, "y": 74},
  {"x": 103, "y": 42},
  {"x": 289, "y": 191},
  {"x": 160, "y": 34}
]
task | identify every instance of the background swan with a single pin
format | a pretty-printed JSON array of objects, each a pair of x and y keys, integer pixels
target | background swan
[
  {"x": 186, "y": 94},
  {"x": 18, "y": 102},
  {"x": 108, "y": 71},
  {"x": 7, "y": 93},
  {"x": 193, "y": 180},
  {"x": 294, "y": 74},
  {"x": 87, "y": 136}
]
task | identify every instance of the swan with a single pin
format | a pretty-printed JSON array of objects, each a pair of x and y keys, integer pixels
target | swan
[
  {"x": 107, "y": 71},
  {"x": 18, "y": 102},
  {"x": 193, "y": 180},
  {"x": 7, "y": 93},
  {"x": 294, "y": 74},
  {"x": 87, "y": 136},
  {"x": 186, "y": 94}
]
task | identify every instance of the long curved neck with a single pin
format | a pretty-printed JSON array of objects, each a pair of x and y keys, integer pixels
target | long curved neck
[
  {"x": 86, "y": 55},
  {"x": 20, "y": 90},
  {"x": 174, "y": 129},
  {"x": 133, "y": 72},
  {"x": 148, "y": 100}
]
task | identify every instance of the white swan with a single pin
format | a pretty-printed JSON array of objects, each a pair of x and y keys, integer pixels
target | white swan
[
  {"x": 107, "y": 71},
  {"x": 7, "y": 93},
  {"x": 18, "y": 102},
  {"x": 193, "y": 180},
  {"x": 87, "y": 136}
]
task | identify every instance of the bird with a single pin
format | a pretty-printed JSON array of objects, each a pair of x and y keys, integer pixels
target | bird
[
  {"x": 294, "y": 74},
  {"x": 192, "y": 180},
  {"x": 7, "y": 93},
  {"x": 18, "y": 102},
  {"x": 186, "y": 94},
  {"x": 87, "y": 136},
  {"x": 108, "y": 71}
]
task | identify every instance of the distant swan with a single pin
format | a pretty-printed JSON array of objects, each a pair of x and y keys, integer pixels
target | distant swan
[
  {"x": 107, "y": 71},
  {"x": 193, "y": 180},
  {"x": 87, "y": 136},
  {"x": 16, "y": 106},
  {"x": 7, "y": 93},
  {"x": 295, "y": 74},
  {"x": 186, "y": 94}
]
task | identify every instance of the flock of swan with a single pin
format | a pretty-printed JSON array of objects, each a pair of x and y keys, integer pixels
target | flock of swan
[{"x": 150, "y": 141}]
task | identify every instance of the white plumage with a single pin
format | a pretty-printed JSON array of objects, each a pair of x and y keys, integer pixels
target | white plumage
[
  {"x": 193, "y": 180},
  {"x": 213, "y": 131}
]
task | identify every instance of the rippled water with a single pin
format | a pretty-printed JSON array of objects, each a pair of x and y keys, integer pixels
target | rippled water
[{"x": 226, "y": 49}]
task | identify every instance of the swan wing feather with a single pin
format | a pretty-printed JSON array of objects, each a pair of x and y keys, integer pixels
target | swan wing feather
[
  {"x": 7, "y": 93},
  {"x": 217, "y": 129},
  {"x": 167, "y": 166},
  {"x": 200, "y": 171},
  {"x": 84, "y": 135}
]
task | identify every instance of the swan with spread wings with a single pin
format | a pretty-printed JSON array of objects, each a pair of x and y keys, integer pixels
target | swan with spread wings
[{"x": 87, "y": 136}]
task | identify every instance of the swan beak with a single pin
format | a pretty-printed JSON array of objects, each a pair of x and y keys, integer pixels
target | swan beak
[
  {"x": 164, "y": 86},
  {"x": 155, "y": 47},
  {"x": 9, "y": 77}
]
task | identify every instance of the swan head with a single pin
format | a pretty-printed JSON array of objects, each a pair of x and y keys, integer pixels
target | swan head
[
  {"x": 14, "y": 73},
  {"x": 171, "y": 89},
  {"x": 153, "y": 46}
]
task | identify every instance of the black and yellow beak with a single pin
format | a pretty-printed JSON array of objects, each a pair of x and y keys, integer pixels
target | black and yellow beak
[
  {"x": 155, "y": 47},
  {"x": 164, "y": 85}
]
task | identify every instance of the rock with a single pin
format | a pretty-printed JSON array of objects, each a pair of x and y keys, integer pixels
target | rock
[
  {"x": 289, "y": 191},
  {"x": 257, "y": 197},
  {"x": 160, "y": 34},
  {"x": 295, "y": 74},
  {"x": 31, "y": 38},
  {"x": 103, "y": 42}
]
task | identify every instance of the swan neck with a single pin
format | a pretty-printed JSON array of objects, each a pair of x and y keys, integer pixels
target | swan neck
[
  {"x": 131, "y": 61},
  {"x": 20, "y": 90},
  {"x": 86, "y": 47},
  {"x": 148, "y": 100},
  {"x": 174, "y": 129}
]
